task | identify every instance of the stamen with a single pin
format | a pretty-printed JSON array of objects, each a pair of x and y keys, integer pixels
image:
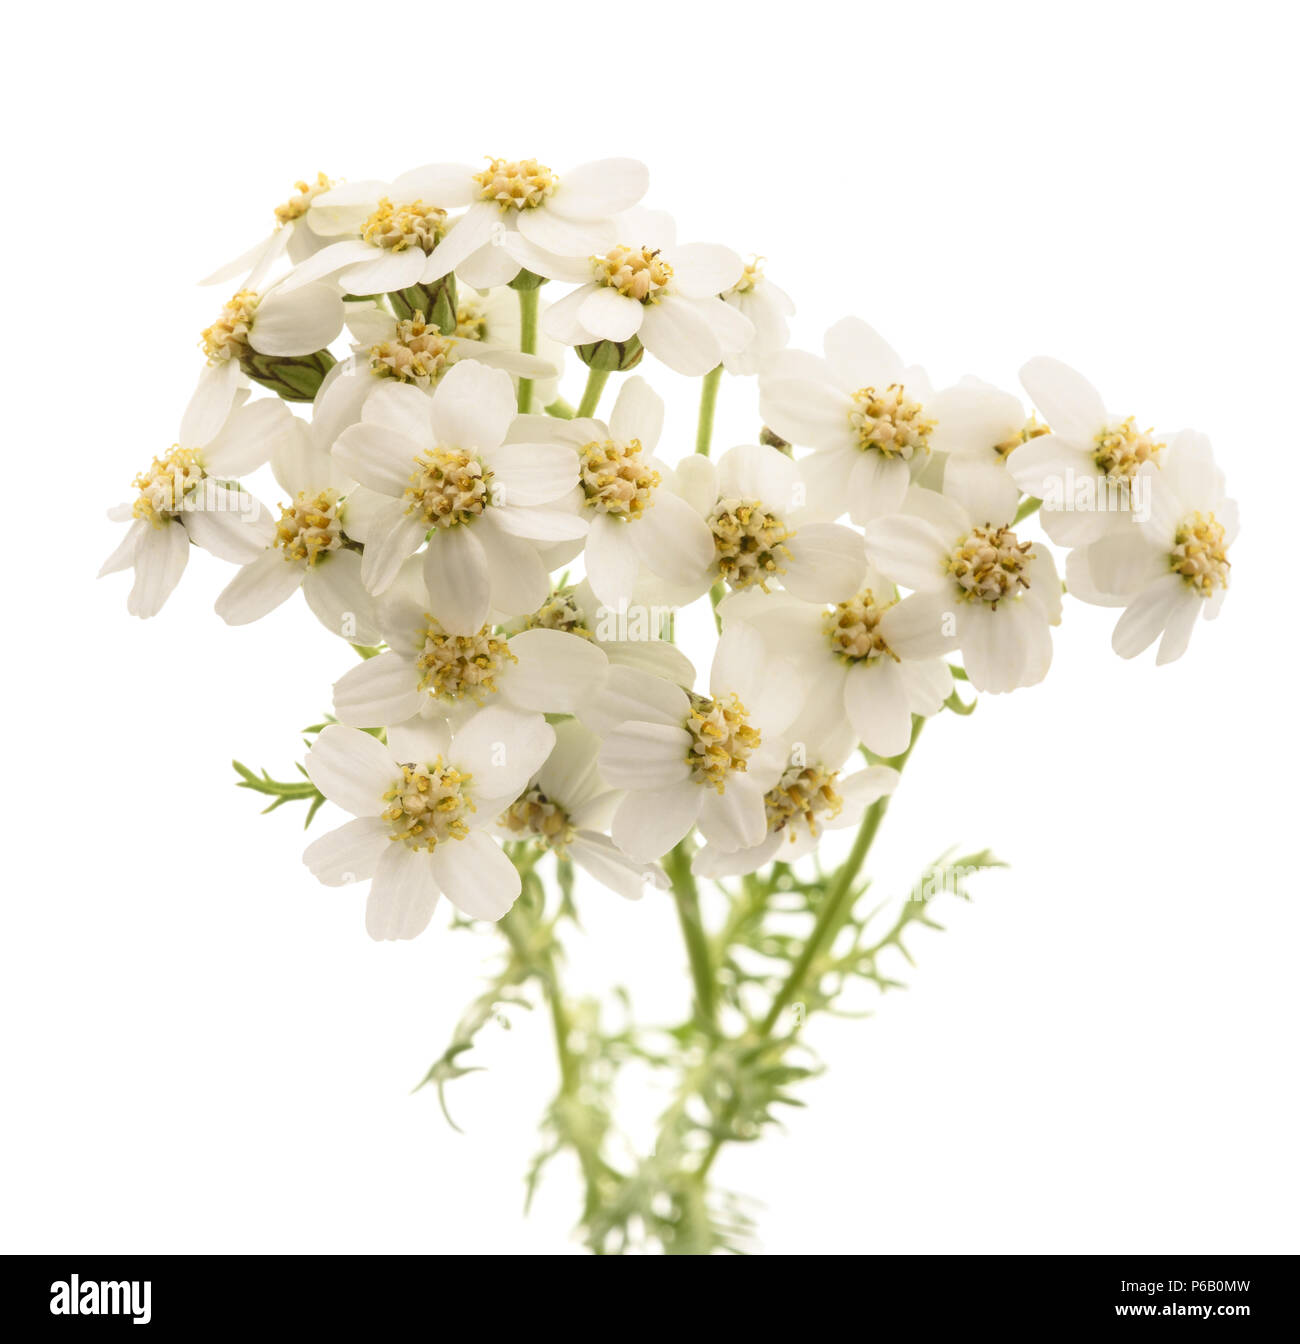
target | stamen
[
  {"x": 803, "y": 794},
  {"x": 459, "y": 667},
  {"x": 310, "y": 526},
  {"x": 1121, "y": 450},
  {"x": 1200, "y": 553},
  {"x": 636, "y": 272},
  {"x": 448, "y": 486},
  {"x": 417, "y": 353},
  {"x": 535, "y": 816},
  {"x": 890, "y": 422},
  {"x": 560, "y": 612},
  {"x": 165, "y": 484},
  {"x": 853, "y": 628},
  {"x": 516, "y": 184},
  {"x": 297, "y": 206},
  {"x": 615, "y": 480},
  {"x": 749, "y": 542},
  {"x": 396, "y": 228},
  {"x": 990, "y": 564},
  {"x": 722, "y": 739},
  {"x": 227, "y": 337},
  {"x": 428, "y": 806},
  {"x": 1033, "y": 429}
]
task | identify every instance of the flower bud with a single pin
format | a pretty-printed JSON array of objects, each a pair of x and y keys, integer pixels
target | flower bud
[
  {"x": 436, "y": 302},
  {"x": 291, "y": 377},
  {"x": 612, "y": 356}
]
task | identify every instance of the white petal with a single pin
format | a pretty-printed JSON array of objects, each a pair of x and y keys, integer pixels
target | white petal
[
  {"x": 123, "y": 556},
  {"x": 458, "y": 580},
  {"x": 984, "y": 488},
  {"x": 675, "y": 333},
  {"x": 381, "y": 690},
  {"x": 605, "y": 187},
  {"x": 757, "y": 471},
  {"x": 473, "y": 406},
  {"x": 1178, "y": 630},
  {"x": 639, "y": 755},
  {"x": 476, "y": 228},
  {"x": 638, "y": 414},
  {"x": 609, "y": 315},
  {"x": 635, "y": 694},
  {"x": 259, "y": 588},
  {"x": 736, "y": 818},
  {"x": 701, "y": 270},
  {"x": 827, "y": 563},
  {"x": 555, "y": 672},
  {"x": 531, "y": 473},
  {"x": 476, "y": 876},
  {"x": 249, "y": 437},
  {"x": 160, "y": 557},
  {"x": 517, "y": 578},
  {"x": 922, "y": 626},
  {"x": 812, "y": 414},
  {"x": 611, "y": 559},
  {"x": 352, "y": 769},
  {"x": 858, "y": 356},
  {"x": 876, "y": 701},
  {"x": 339, "y": 600},
  {"x": 908, "y": 550},
  {"x": 877, "y": 487},
  {"x": 672, "y": 540},
  {"x": 1149, "y": 614},
  {"x": 298, "y": 323},
  {"x": 448, "y": 186},
  {"x": 350, "y": 853},
  {"x": 602, "y": 858},
  {"x": 393, "y": 535},
  {"x": 550, "y": 231},
  {"x": 647, "y": 825},
  {"x": 1067, "y": 401},
  {"x": 501, "y": 748},
  {"x": 560, "y": 320},
  {"x": 402, "y": 894},
  {"x": 230, "y": 524},
  {"x": 384, "y": 271},
  {"x": 211, "y": 402}
]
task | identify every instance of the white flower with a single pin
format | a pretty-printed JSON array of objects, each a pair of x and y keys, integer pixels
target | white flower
[
  {"x": 637, "y": 516},
  {"x": 412, "y": 350},
  {"x": 977, "y": 428},
  {"x": 688, "y": 759},
  {"x": 428, "y": 672},
  {"x": 444, "y": 466},
  {"x": 629, "y": 635},
  {"x": 1087, "y": 446},
  {"x": 648, "y": 287},
  {"x": 567, "y": 215},
  {"x": 814, "y": 794},
  {"x": 420, "y": 823},
  {"x": 866, "y": 417},
  {"x": 394, "y": 235},
  {"x": 276, "y": 323},
  {"x": 978, "y": 588},
  {"x": 307, "y": 548},
  {"x": 756, "y": 504},
  {"x": 844, "y": 657},
  {"x": 567, "y": 807},
  {"x": 767, "y": 307},
  {"x": 294, "y": 236},
  {"x": 492, "y": 316},
  {"x": 189, "y": 495},
  {"x": 1171, "y": 568}
]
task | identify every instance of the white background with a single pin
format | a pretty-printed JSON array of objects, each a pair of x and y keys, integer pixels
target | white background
[{"x": 203, "y": 1051}]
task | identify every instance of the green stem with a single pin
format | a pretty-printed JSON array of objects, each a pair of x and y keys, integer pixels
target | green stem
[
  {"x": 527, "y": 343},
  {"x": 829, "y": 917},
  {"x": 677, "y": 864},
  {"x": 560, "y": 409},
  {"x": 596, "y": 380},
  {"x": 708, "y": 405}
]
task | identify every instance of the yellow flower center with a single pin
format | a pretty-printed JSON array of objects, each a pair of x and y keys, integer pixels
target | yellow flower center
[
  {"x": 310, "y": 527},
  {"x": 753, "y": 273},
  {"x": 428, "y": 805},
  {"x": 852, "y": 628},
  {"x": 536, "y": 817},
  {"x": 165, "y": 484},
  {"x": 890, "y": 422},
  {"x": 298, "y": 205},
  {"x": 227, "y": 337},
  {"x": 722, "y": 739},
  {"x": 560, "y": 612},
  {"x": 614, "y": 478},
  {"x": 417, "y": 353},
  {"x": 448, "y": 486},
  {"x": 456, "y": 667},
  {"x": 1033, "y": 428},
  {"x": 1122, "y": 449},
  {"x": 1200, "y": 553},
  {"x": 636, "y": 272},
  {"x": 748, "y": 542},
  {"x": 990, "y": 564},
  {"x": 471, "y": 320},
  {"x": 516, "y": 184},
  {"x": 803, "y": 794},
  {"x": 397, "y": 227}
]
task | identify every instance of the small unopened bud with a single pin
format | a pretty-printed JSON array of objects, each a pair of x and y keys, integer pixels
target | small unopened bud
[
  {"x": 612, "y": 356},
  {"x": 436, "y": 302},
  {"x": 291, "y": 377}
]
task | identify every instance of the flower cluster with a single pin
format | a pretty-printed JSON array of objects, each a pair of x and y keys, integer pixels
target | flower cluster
[{"x": 510, "y": 567}]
